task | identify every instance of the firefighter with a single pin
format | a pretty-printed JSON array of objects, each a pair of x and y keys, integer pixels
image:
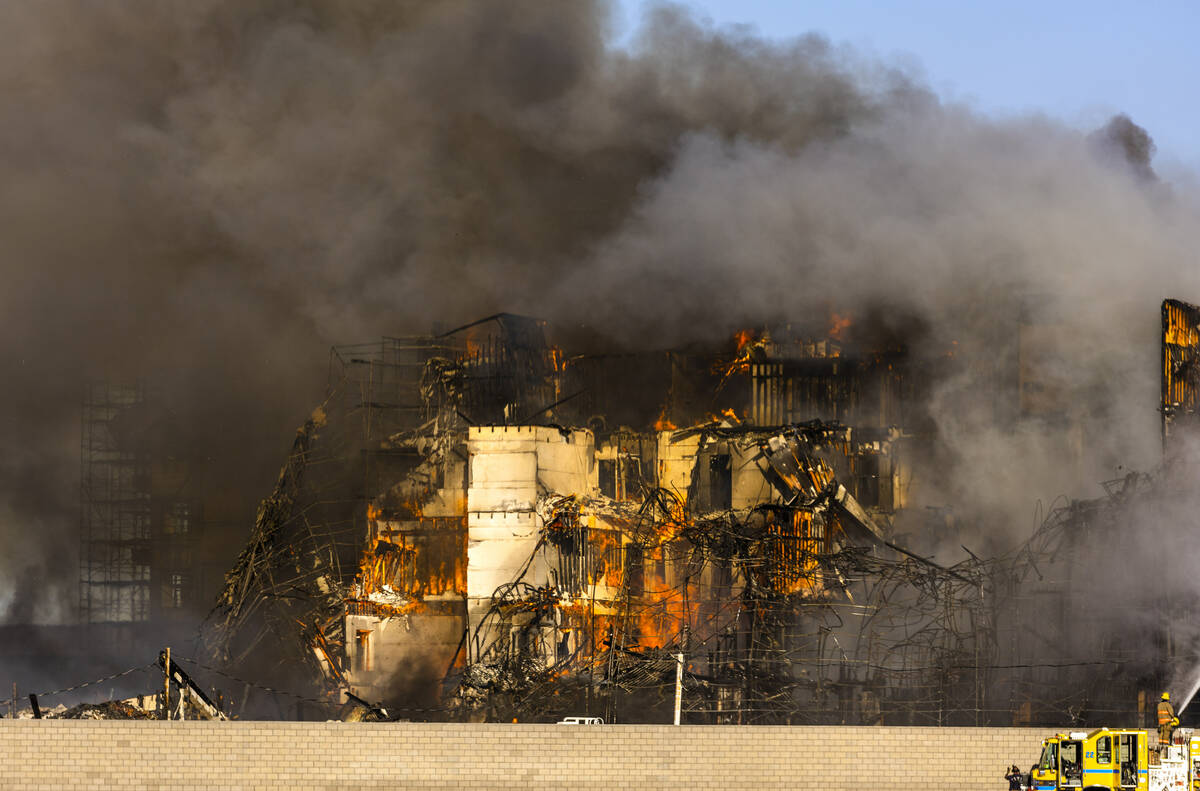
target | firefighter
[{"x": 1166, "y": 719}]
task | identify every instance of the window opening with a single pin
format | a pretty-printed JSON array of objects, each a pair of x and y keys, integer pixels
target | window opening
[{"x": 362, "y": 650}]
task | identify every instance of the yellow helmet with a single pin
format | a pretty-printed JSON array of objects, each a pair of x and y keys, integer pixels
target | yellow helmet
[{"x": 1166, "y": 696}]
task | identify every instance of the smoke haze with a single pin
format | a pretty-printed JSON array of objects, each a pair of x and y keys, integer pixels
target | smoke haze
[{"x": 211, "y": 192}]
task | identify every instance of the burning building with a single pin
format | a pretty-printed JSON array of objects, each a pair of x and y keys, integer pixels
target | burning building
[
  {"x": 524, "y": 530},
  {"x": 479, "y": 524}
]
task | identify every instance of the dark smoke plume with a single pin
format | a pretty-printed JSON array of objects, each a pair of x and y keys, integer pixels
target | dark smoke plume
[
  {"x": 210, "y": 192},
  {"x": 1126, "y": 142}
]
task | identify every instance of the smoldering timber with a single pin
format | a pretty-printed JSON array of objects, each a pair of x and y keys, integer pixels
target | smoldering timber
[{"x": 481, "y": 525}]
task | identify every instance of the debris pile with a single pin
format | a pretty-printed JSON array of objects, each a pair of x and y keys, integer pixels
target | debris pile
[{"x": 109, "y": 710}]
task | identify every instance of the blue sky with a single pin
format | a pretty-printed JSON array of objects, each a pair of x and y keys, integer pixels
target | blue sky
[{"x": 1077, "y": 61}]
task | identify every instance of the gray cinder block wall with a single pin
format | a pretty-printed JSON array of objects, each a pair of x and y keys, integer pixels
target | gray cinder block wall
[{"x": 51, "y": 754}]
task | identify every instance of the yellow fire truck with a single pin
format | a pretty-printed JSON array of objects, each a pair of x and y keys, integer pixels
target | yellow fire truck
[{"x": 1116, "y": 759}]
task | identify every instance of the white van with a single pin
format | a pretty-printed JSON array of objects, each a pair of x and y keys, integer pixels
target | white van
[{"x": 581, "y": 721}]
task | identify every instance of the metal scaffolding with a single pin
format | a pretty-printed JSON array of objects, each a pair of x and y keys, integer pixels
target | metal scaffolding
[{"x": 116, "y": 509}]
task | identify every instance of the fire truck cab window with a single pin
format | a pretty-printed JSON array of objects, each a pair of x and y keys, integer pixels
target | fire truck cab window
[
  {"x": 1049, "y": 760},
  {"x": 1104, "y": 750}
]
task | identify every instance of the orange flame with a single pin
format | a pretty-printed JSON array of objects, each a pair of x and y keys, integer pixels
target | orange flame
[
  {"x": 838, "y": 324},
  {"x": 474, "y": 349},
  {"x": 413, "y": 567},
  {"x": 795, "y": 545},
  {"x": 747, "y": 342},
  {"x": 668, "y": 607}
]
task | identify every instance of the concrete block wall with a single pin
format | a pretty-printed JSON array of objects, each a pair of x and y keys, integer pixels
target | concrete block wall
[{"x": 317, "y": 756}]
